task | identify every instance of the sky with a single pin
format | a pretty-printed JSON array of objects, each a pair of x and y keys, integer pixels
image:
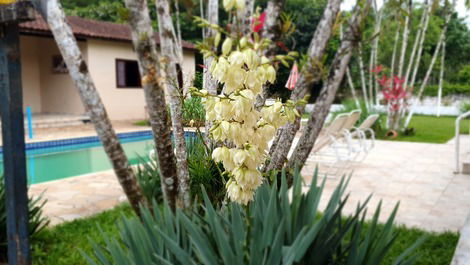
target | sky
[{"x": 460, "y": 7}]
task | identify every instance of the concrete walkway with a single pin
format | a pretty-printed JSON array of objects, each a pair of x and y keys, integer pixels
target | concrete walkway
[{"x": 419, "y": 176}]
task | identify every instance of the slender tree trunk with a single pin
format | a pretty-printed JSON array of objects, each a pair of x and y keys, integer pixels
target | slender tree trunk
[
  {"x": 411, "y": 83},
  {"x": 373, "y": 55},
  {"x": 245, "y": 16},
  {"x": 406, "y": 33},
  {"x": 153, "y": 83},
  {"x": 348, "y": 75},
  {"x": 330, "y": 87},
  {"x": 271, "y": 32},
  {"x": 172, "y": 55},
  {"x": 426, "y": 10},
  {"x": 53, "y": 13},
  {"x": 310, "y": 74},
  {"x": 431, "y": 65},
  {"x": 353, "y": 90},
  {"x": 209, "y": 83},
  {"x": 363, "y": 78},
  {"x": 389, "y": 122},
  {"x": 441, "y": 79}
]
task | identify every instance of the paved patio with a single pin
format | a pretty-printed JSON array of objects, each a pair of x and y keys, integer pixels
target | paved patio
[{"x": 418, "y": 175}]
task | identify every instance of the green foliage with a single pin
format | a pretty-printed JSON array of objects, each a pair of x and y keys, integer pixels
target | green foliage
[
  {"x": 37, "y": 221},
  {"x": 464, "y": 75},
  {"x": 276, "y": 228},
  {"x": 465, "y": 107},
  {"x": 204, "y": 172},
  {"x": 148, "y": 176},
  {"x": 61, "y": 244},
  {"x": 447, "y": 89},
  {"x": 193, "y": 110}
]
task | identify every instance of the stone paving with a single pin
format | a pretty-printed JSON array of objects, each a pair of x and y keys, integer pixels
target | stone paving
[{"x": 419, "y": 176}]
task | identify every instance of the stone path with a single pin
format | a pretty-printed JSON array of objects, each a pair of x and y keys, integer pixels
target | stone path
[{"x": 419, "y": 176}]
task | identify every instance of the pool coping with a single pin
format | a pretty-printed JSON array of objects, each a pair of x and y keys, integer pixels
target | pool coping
[{"x": 80, "y": 140}]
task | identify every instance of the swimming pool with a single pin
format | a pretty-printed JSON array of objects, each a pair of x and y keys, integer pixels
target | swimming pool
[{"x": 60, "y": 159}]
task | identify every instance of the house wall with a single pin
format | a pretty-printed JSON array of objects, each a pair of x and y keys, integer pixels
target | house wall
[
  {"x": 58, "y": 93},
  {"x": 121, "y": 103},
  {"x": 30, "y": 73}
]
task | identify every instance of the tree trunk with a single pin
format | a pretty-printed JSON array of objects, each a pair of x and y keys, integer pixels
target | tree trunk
[
  {"x": 328, "y": 93},
  {"x": 431, "y": 65},
  {"x": 363, "y": 78},
  {"x": 245, "y": 16},
  {"x": 426, "y": 9},
  {"x": 153, "y": 83},
  {"x": 172, "y": 55},
  {"x": 271, "y": 32},
  {"x": 310, "y": 74},
  {"x": 53, "y": 13},
  {"x": 406, "y": 33},
  {"x": 373, "y": 55},
  {"x": 348, "y": 75},
  {"x": 411, "y": 84},
  {"x": 208, "y": 82},
  {"x": 441, "y": 79},
  {"x": 390, "y": 117}
]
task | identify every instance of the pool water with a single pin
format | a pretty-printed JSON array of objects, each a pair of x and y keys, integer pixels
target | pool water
[{"x": 52, "y": 163}]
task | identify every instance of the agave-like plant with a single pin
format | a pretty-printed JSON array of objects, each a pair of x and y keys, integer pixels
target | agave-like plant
[
  {"x": 275, "y": 228},
  {"x": 37, "y": 221}
]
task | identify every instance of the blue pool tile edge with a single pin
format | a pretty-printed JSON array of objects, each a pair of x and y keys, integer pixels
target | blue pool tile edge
[{"x": 85, "y": 140}]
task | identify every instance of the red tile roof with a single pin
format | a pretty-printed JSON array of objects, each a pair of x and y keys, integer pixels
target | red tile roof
[{"x": 87, "y": 28}]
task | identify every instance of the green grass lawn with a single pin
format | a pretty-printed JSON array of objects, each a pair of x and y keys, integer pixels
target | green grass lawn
[
  {"x": 430, "y": 129},
  {"x": 61, "y": 245}
]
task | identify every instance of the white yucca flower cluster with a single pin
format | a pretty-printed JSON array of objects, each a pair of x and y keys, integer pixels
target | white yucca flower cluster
[{"x": 243, "y": 131}]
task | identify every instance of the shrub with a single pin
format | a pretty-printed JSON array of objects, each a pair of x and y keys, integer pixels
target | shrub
[
  {"x": 275, "y": 228},
  {"x": 37, "y": 221},
  {"x": 465, "y": 107},
  {"x": 148, "y": 176},
  {"x": 464, "y": 75},
  {"x": 194, "y": 110},
  {"x": 203, "y": 171},
  {"x": 447, "y": 89}
]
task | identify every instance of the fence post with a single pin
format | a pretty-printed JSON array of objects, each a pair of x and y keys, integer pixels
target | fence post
[{"x": 11, "y": 108}]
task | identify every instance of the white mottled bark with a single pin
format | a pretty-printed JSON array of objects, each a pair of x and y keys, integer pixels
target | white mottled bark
[
  {"x": 245, "y": 16},
  {"x": 348, "y": 75},
  {"x": 426, "y": 10},
  {"x": 441, "y": 79},
  {"x": 273, "y": 11},
  {"x": 330, "y": 87},
  {"x": 373, "y": 55},
  {"x": 53, "y": 13},
  {"x": 404, "y": 43},
  {"x": 431, "y": 65},
  {"x": 153, "y": 83},
  {"x": 363, "y": 78},
  {"x": 310, "y": 74},
  {"x": 208, "y": 82},
  {"x": 172, "y": 54},
  {"x": 392, "y": 73},
  {"x": 419, "y": 52}
]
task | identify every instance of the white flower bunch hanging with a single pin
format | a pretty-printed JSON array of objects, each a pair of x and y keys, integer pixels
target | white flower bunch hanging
[{"x": 242, "y": 130}]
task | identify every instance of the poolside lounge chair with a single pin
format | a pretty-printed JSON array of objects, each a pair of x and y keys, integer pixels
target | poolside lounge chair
[{"x": 362, "y": 130}]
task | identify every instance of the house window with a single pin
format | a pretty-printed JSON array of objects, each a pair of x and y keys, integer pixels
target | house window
[
  {"x": 58, "y": 65},
  {"x": 127, "y": 74}
]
